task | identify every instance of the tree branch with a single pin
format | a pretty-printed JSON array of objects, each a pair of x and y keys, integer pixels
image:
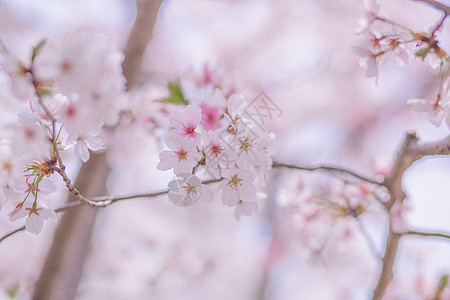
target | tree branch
[
  {"x": 429, "y": 234},
  {"x": 327, "y": 168},
  {"x": 140, "y": 35},
  {"x": 437, "y": 5},
  {"x": 12, "y": 233},
  {"x": 102, "y": 202},
  {"x": 410, "y": 151}
]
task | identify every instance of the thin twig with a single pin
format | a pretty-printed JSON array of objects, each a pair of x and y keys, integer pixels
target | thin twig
[
  {"x": 430, "y": 234},
  {"x": 439, "y": 25},
  {"x": 367, "y": 237},
  {"x": 329, "y": 169},
  {"x": 102, "y": 202},
  {"x": 12, "y": 233}
]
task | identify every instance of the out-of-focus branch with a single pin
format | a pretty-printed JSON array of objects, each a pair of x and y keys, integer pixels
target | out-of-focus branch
[
  {"x": 429, "y": 234},
  {"x": 329, "y": 169},
  {"x": 410, "y": 151},
  {"x": 140, "y": 35},
  {"x": 370, "y": 243},
  {"x": 444, "y": 8}
]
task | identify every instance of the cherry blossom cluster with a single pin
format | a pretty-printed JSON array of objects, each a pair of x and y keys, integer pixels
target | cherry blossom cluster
[
  {"x": 319, "y": 211},
  {"x": 73, "y": 87},
  {"x": 217, "y": 141},
  {"x": 379, "y": 38}
]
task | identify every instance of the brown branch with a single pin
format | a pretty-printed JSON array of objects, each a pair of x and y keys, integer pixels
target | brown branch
[
  {"x": 439, "y": 25},
  {"x": 438, "y": 5},
  {"x": 329, "y": 169},
  {"x": 410, "y": 151},
  {"x": 12, "y": 233},
  {"x": 102, "y": 202},
  {"x": 73, "y": 190},
  {"x": 429, "y": 234},
  {"x": 140, "y": 35}
]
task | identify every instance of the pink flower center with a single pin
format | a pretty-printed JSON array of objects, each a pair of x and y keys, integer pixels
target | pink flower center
[
  {"x": 71, "y": 111},
  {"x": 189, "y": 129},
  {"x": 66, "y": 66},
  {"x": 30, "y": 134},
  {"x": 216, "y": 149}
]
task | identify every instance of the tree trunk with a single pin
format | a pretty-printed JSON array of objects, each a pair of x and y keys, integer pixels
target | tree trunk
[{"x": 63, "y": 265}]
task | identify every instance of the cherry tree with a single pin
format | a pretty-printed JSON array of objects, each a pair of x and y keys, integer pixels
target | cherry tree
[{"x": 202, "y": 128}]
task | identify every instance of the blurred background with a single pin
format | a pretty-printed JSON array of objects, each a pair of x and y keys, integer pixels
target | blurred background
[{"x": 300, "y": 54}]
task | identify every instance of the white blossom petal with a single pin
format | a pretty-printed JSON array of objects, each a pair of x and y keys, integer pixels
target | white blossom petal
[{"x": 34, "y": 223}]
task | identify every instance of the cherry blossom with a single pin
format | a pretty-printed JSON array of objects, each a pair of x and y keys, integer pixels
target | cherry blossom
[
  {"x": 238, "y": 185},
  {"x": 66, "y": 61},
  {"x": 21, "y": 187},
  {"x": 182, "y": 156},
  {"x": 216, "y": 145},
  {"x": 45, "y": 110},
  {"x": 368, "y": 46},
  {"x": 79, "y": 119},
  {"x": 85, "y": 143},
  {"x": 249, "y": 149},
  {"x": 186, "y": 121},
  {"x": 236, "y": 105},
  {"x": 30, "y": 139},
  {"x": 35, "y": 217},
  {"x": 401, "y": 54},
  {"x": 372, "y": 7},
  {"x": 436, "y": 112},
  {"x": 428, "y": 49},
  {"x": 11, "y": 165},
  {"x": 21, "y": 84},
  {"x": 187, "y": 192}
]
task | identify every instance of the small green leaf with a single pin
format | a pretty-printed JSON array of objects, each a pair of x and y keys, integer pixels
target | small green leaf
[
  {"x": 175, "y": 95},
  {"x": 422, "y": 53},
  {"x": 442, "y": 283},
  {"x": 37, "y": 49},
  {"x": 39, "y": 179}
]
